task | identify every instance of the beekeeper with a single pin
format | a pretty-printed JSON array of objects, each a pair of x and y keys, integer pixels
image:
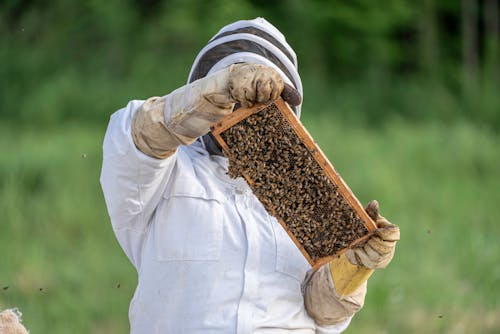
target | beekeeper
[{"x": 209, "y": 258}]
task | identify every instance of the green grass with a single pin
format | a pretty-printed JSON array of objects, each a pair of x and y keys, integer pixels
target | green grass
[
  {"x": 56, "y": 236},
  {"x": 440, "y": 183}
]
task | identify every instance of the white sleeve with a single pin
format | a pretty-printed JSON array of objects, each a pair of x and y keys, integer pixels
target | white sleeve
[
  {"x": 132, "y": 182},
  {"x": 334, "y": 329}
]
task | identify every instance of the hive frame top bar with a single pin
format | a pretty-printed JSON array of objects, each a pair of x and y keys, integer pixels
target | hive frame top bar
[{"x": 315, "y": 151}]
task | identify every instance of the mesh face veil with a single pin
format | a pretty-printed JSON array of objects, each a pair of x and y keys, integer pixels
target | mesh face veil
[{"x": 251, "y": 41}]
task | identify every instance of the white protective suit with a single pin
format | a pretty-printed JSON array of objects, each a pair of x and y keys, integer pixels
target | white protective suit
[{"x": 209, "y": 258}]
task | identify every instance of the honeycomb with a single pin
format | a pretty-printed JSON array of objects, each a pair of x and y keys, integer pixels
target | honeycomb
[{"x": 290, "y": 183}]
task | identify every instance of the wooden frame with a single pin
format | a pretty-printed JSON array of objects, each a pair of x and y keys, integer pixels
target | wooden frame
[{"x": 318, "y": 155}]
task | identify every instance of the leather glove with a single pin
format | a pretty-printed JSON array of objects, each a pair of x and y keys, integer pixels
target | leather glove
[
  {"x": 324, "y": 304},
  {"x": 164, "y": 123},
  {"x": 378, "y": 251},
  {"x": 254, "y": 83},
  {"x": 344, "y": 278},
  {"x": 352, "y": 269}
]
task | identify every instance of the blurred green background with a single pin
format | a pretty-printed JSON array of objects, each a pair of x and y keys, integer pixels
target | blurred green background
[{"x": 402, "y": 95}]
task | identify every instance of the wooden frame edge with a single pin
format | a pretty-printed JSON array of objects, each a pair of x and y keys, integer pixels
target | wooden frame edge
[{"x": 320, "y": 158}]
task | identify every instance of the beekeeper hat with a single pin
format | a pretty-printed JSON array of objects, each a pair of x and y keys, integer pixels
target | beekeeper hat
[{"x": 251, "y": 41}]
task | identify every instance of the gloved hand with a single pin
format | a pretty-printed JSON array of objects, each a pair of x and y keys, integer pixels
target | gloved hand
[
  {"x": 252, "y": 83},
  {"x": 337, "y": 289},
  {"x": 164, "y": 123},
  {"x": 378, "y": 251}
]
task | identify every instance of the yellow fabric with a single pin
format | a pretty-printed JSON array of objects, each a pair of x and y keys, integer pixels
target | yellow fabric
[{"x": 348, "y": 277}]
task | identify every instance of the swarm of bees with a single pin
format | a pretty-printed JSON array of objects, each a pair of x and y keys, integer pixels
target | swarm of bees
[{"x": 290, "y": 183}]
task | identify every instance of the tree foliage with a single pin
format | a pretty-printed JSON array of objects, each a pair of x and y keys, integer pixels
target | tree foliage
[{"x": 80, "y": 59}]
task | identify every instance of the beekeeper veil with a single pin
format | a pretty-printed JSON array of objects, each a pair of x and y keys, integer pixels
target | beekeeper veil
[{"x": 248, "y": 41}]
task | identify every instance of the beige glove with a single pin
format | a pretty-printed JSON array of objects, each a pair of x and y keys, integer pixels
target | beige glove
[
  {"x": 344, "y": 278},
  {"x": 10, "y": 322},
  {"x": 324, "y": 304},
  {"x": 162, "y": 124},
  {"x": 252, "y": 83},
  {"x": 378, "y": 251}
]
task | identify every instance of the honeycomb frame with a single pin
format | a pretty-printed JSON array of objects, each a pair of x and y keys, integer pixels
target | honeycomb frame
[{"x": 310, "y": 235}]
